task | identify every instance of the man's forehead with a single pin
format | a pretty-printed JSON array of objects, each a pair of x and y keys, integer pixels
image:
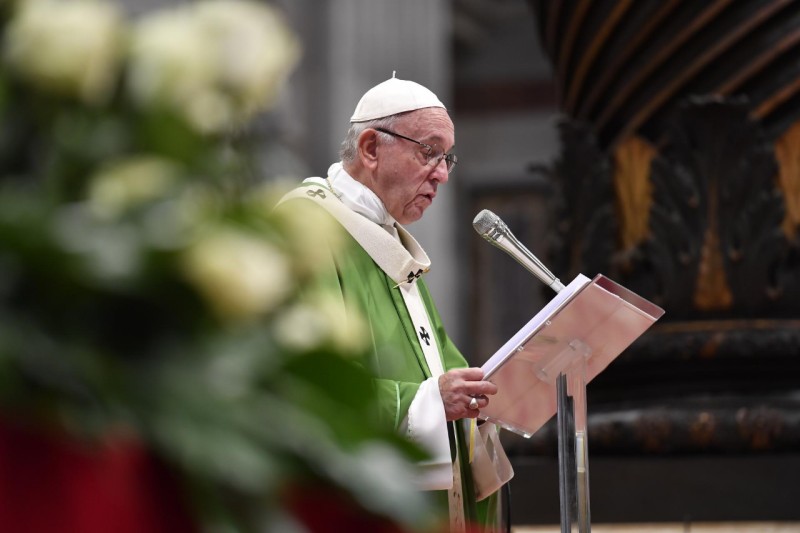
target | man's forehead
[{"x": 430, "y": 122}]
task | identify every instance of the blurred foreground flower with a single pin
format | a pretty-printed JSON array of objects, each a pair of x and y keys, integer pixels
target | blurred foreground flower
[
  {"x": 311, "y": 234},
  {"x": 322, "y": 321},
  {"x": 149, "y": 297},
  {"x": 71, "y": 47},
  {"x": 216, "y": 62},
  {"x": 241, "y": 276},
  {"x": 123, "y": 185}
]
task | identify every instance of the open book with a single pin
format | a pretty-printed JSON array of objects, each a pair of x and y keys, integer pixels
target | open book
[{"x": 594, "y": 319}]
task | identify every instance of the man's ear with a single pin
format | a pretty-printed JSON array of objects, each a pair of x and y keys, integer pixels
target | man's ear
[{"x": 368, "y": 148}]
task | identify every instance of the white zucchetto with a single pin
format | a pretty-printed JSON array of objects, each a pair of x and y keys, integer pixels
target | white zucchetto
[{"x": 394, "y": 96}]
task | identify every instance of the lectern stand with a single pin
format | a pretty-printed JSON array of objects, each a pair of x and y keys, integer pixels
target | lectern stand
[
  {"x": 544, "y": 368},
  {"x": 573, "y": 447}
]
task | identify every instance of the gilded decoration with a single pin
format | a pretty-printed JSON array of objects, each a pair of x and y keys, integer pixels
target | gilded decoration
[
  {"x": 634, "y": 191},
  {"x": 787, "y": 153}
]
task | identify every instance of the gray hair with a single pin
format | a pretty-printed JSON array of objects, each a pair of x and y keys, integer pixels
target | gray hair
[{"x": 349, "y": 149}]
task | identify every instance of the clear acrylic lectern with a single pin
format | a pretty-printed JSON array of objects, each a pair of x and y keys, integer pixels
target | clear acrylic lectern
[{"x": 544, "y": 368}]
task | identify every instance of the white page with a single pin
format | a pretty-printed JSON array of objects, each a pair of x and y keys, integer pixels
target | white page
[{"x": 534, "y": 325}]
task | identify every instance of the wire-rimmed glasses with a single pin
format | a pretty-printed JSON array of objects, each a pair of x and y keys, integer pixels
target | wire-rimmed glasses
[{"x": 433, "y": 153}]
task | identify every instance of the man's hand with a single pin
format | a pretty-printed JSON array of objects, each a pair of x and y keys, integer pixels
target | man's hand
[{"x": 458, "y": 387}]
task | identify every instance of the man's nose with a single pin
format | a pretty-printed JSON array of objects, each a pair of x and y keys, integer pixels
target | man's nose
[{"x": 440, "y": 172}]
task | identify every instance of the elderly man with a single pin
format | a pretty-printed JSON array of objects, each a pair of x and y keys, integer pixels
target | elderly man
[{"x": 395, "y": 156}]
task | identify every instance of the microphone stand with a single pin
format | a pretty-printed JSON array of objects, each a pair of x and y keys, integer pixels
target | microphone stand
[{"x": 568, "y": 370}]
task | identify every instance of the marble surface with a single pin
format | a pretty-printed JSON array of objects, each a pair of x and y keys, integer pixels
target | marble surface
[{"x": 717, "y": 527}]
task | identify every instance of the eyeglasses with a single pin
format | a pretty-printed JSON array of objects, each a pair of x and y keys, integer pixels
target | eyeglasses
[{"x": 433, "y": 153}]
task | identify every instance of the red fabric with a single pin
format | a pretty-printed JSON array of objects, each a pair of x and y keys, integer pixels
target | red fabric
[
  {"x": 52, "y": 483},
  {"x": 323, "y": 510}
]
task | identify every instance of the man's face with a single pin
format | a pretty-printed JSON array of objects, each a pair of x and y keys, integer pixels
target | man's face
[{"x": 403, "y": 180}]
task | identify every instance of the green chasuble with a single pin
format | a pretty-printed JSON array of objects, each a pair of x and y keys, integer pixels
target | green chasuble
[{"x": 396, "y": 357}]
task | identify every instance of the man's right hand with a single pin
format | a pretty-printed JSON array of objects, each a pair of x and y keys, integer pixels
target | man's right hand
[{"x": 459, "y": 386}]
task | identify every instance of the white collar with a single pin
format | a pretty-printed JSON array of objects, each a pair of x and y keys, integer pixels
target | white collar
[{"x": 358, "y": 196}]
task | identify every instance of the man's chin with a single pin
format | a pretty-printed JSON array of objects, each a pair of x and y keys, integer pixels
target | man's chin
[
  {"x": 411, "y": 216},
  {"x": 418, "y": 208}
]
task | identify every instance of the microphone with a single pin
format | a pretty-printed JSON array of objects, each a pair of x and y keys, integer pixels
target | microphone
[{"x": 490, "y": 227}]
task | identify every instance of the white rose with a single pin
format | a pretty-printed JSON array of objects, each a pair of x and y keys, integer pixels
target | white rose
[
  {"x": 302, "y": 327},
  {"x": 172, "y": 65},
  {"x": 349, "y": 331},
  {"x": 322, "y": 319},
  {"x": 71, "y": 47},
  {"x": 240, "y": 275},
  {"x": 216, "y": 62},
  {"x": 256, "y": 51},
  {"x": 314, "y": 235},
  {"x": 130, "y": 182}
]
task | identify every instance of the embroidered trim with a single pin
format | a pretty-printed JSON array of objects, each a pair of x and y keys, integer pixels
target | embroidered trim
[
  {"x": 412, "y": 277},
  {"x": 330, "y": 186},
  {"x": 316, "y": 193}
]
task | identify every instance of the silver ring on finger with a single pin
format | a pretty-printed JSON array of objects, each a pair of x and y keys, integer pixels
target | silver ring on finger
[{"x": 473, "y": 403}]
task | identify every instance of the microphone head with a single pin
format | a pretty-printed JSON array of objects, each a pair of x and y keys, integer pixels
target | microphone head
[{"x": 484, "y": 222}]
